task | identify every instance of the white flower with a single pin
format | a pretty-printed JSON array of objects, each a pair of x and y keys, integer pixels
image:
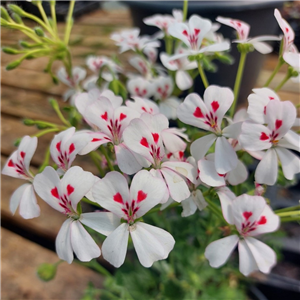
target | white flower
[
  {"x": 251, "y": 216},
  {"x": 150, "y": 243},
  {"x": 17, "y": 166}
]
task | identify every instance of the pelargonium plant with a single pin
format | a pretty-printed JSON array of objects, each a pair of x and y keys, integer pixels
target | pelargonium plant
[{"x": 173, "y": 165}]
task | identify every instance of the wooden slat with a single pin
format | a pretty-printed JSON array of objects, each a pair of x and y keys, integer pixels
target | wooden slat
[{"x": 20, "y": 259}]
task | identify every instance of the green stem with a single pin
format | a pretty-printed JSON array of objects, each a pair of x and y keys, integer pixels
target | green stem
[
  {"x": 238, "y": 81},
  {"x": 69, "y": 22},
  {"x": 93, "y": 264},
  {"x": 53, "y": 15},
  {"x": 68, "y": 65},
  {"x": 185, "y": 10},
  {"x": 289, "y": 213},
  {"x": 43, "y": 132},
  {"x": 203, "y": 76},
  {"x": 287, "y": 209},
  {"x": 61, "y": 117},
  {"x": 42, "y": 12},
  {"x": 46, "y": 161},
  {"x": 214, "y": 208},
  {"x": 94, "y": 158},
  {"x": 280, "y": 85},
  {"x": 289, "y": 219},
  {"x": 104, "y": 151},
  {"x": 278, "y": 66}
]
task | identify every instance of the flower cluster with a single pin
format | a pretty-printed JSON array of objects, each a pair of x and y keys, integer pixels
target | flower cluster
[{"x": 147, "y": 165}]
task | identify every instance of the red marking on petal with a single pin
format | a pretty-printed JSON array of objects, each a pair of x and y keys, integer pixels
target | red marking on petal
[
  {"x": 169, "y": 155},
  {"x": 104, "y": 116},
  {"x": 54, "y": 192},
  {"x": 271, "y": 98},
  {"x": 155, "y": 137},
  {"x": 239, "y": 24},
  {"x": 144, "y": 142},
  {"x": 262, "y": 221},
  {"x": 286, "y": 29},
  {"x": 10, "y": 163},
  {"x": 264, "y": 136},
  {"x": 70, "y": 189},
  {"x": 118, "y": 198},
  {"x": 71, "y": 148},
  {"x": 144, "y": 109},
  {"x": 184, "y": 32},
  {"x": 96, "y": 140},
  {"x": 198, "y": 113},
  {"x": 265, "y": 110},
  {"x": 247, "y": 214},
  {"x": 222, "y": 175},
  {"x": 22, "y": 154},
  {"x": 196, "y": 31},
  {"x": 181, "y": 154},
  {"x": 58, "y": 146},
  {"x": 122, "y": 116},
  {"x": 215, "y": 105},
  {"x": 141, "y": 196},
  {"x": 278, "y": 124}
]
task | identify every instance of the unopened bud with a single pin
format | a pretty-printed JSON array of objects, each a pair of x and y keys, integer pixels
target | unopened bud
[
  {"x": 17, "y": 142},
  {"x": 27, "y": 45},
  {"x": 225, "y": 58},
  {"x": 4, "y": 23},
  {"x": 53, "y": 103},
  {"x": 4, "y": 14},
  {"x": 13, "y": 65},
  {"x": 28, "y": 122},
  {"x": 16, "y": 9},
  {"x": 46, "y": 272},
  {"x": 17, "y": 18},
  {"x": 39, "y": 32},
  {"x": 9, "y": 50}
]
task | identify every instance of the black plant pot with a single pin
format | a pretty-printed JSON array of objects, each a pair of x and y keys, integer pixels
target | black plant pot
[
  {"x": 62, "y": 7},
  {"x": 259, "y": 14}
]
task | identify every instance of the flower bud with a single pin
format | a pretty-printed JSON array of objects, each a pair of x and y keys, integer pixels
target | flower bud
[
  {"x": 17, "y": 142},
  {"x": 225, "y": 58},
  {"x": 28, "y": 122},
  {"x": 17, "y": 18},
  {"x": 13, "y": 65},
  {"x": 4, "y": 14},
  {"x": 27, "y": 45},
  {"x": 16, "y": 9},
  {"x": 53, "y": 103},
  {"x": 9, "y": 50},
  {"x": 46, "y": 272},
  {"x": 39, "y": 32},
  {"x": 4, "y": 23}
]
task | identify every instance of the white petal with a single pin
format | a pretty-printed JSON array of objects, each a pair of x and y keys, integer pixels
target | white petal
[
  {"x": 208, "y": 173},
  {"x": 262, "y": 47},
  {"x": 289, "y": 161},
  {"x": 233, "y": 130},
  {"x": 152, "y": 189},
  {"x": 63, "y": 242},
  {"x": 199, "y": 200},
  {"x": 28, "y": 146},
  {"x": 291, "y": 141},
  {"x": 246, "y": 260},
  {"x": 16, "y": 197},
  {"x": 104, "y": 191},
  {"x": 114, "y": 248},
  {"x": 183, "y": 80},
  {"x": 43, "y": 184},
  {"x": 28, "y": 205},
  {"x": 126, "y": 160},
  {"x": 247, "y": 208},
  {"x": 188, "y": 207},
  {"x": 151, "y": 243},
  {"x": 176, "y": 184},
  {"x": 226, "y": 158},
  {"x": 103, "y": 222},
  {"x": 226, "y": 203},
  {"x": 200, "y": 147},
  {"x": 267, "y": 169},
  {"x": 264, "y": 256},
  {"x": 237, "y": 175},
  {"x": 82, "y": 243},
  {"x": 81, "y": 182},
  {"x": 183, "y": 168},
  {"x": 218, "y": 251}
]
